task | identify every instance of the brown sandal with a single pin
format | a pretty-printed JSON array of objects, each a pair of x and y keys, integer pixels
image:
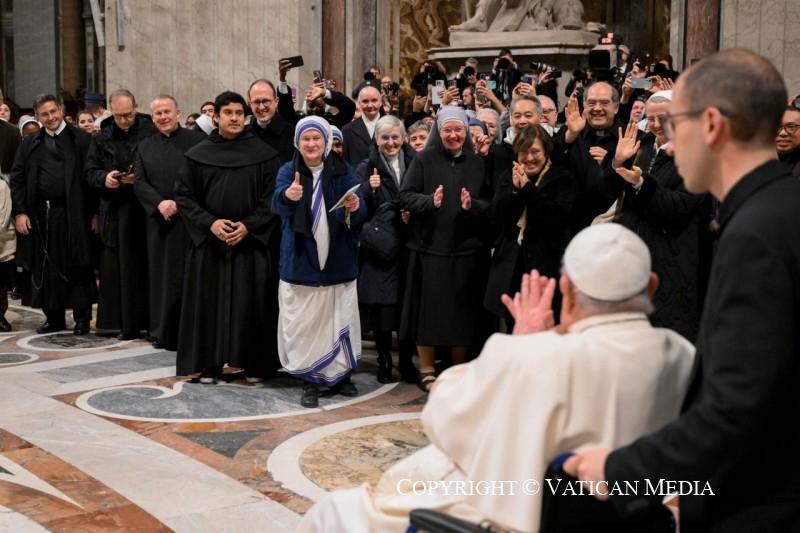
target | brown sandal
[{"x": 426, "y": 381}]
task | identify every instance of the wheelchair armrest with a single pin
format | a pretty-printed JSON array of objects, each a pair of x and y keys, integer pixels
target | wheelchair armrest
[{"x": 431, "y": 521}]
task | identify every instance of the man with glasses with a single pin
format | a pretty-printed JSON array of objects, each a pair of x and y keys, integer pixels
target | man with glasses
[
  {"x": 787, "y": 143},
  {"x": 549, "y": 113},
  {"x": 653, "y": 202},
  {"x": 110, "y": 170},
  {"x": 588, "y": 144},
  {"x": 738, "y": 432},
  {"x": 267, "y": 124},
  {"x": 50, "y": 204}
]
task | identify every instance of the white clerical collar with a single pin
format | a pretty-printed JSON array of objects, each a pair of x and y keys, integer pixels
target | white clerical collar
[
  {"x": 61, "y": 128},
  {"x": 607, "y": 319},
  {"x": 263, "y": 124}
]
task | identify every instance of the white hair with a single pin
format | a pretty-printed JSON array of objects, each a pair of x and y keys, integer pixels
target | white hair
[{"x": 389, "y": 122}]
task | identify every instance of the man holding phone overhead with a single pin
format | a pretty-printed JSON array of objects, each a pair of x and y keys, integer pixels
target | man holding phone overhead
[{"x": 109, "y": 169}]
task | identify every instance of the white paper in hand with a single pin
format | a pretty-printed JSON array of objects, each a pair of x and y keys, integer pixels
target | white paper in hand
[{"x": 340, "y": 203}]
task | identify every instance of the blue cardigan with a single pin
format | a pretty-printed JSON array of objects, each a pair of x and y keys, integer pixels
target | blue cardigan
[{"x": 299, "y": 262}]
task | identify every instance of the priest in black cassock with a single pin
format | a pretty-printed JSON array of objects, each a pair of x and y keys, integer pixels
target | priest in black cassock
[
  {"x": 230, "y": 292},
  {"x": 158, "y": 160},
  {"x": 123, "y": 267},
  {"x": 267, "y": 124},
  {"x": 51, "y": 213}
]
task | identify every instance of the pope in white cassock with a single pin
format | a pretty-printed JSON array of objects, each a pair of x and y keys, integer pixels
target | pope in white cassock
[{"x": 603, "y": 378}]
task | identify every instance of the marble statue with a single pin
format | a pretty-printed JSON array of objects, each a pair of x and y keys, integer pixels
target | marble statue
[{"x": 521, "y": 15}]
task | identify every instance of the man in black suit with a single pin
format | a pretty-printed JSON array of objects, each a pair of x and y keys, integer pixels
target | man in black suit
[
  {"x": 51, "y": 205},
  {"x": 359, "y": 134},
  {"x": 738, "y": 434},
  {"x": 267, "y": 123}
]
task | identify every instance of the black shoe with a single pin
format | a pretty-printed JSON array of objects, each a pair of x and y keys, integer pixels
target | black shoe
[
  {"x": 346, "y": 388},
  {"x": 47, "y": 327},
  {"x": 310, "y": 396},
  {"x": 157, "y": 345},
  {"x": 385, "y": 368},
  {"x": 408, "y": 372},
  {"x": 4, "y": 325},
  {"x": 81, "y": 328}
]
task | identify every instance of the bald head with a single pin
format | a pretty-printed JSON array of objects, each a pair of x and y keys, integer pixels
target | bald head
[
  {"x": 753, "y": 99},
  {"x": 369, "y": 101}
]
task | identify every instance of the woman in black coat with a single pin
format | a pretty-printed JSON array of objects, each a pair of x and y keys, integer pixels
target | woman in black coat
[
  {"x": 380, "y": 277},
  {"x": 445, "y": 192},
  {"x": 532, "y": 205}
]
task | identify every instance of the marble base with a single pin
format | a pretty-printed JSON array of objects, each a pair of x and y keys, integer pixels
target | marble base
[{"x": 487, "y": 44}]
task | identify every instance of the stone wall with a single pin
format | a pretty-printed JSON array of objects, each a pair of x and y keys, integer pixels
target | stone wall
[
  {"x": 36, "y": 50},
  {"x": 769, "y": 27},
  {"x": 195, "y": 50}
]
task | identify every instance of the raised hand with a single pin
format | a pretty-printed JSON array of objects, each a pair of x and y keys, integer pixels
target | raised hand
[
  {"x": 295, "y": 191},
  {"x": 438, "y": 196},
  {"x": 575, "y": 121},
  {"x": 627, "y": 144},
  {"x": 531, "y": 307},
  {"x": 375, "y": 180},
  {"x": 466, "y": 199},
  {"x": 284, "y": 66}
]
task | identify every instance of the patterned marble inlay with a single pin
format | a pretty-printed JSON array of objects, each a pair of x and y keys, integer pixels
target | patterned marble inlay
[
  {"x": 225, "y": 443},
  {"x": 116, "y": 367},
  {"x": 360, "y": 455},
  {"x": 65, "y": 340},
  {"x": 188, "y": 402},
  {"x": 15, "y": 358}
]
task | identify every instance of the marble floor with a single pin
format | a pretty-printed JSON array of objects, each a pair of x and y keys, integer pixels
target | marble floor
[{"x": 98, "y": 434}]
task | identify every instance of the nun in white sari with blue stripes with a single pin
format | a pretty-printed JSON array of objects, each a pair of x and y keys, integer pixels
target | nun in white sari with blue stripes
[{"x": 319, "y": 333}]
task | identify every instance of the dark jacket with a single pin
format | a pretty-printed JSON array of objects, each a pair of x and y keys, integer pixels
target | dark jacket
[
  {"x": 10, "y": 140},
  {"x": 792, "y": 160},
  {"x": 379, "y": 280},
  {"x": 299, "y": 262},
  {"x": 357, "y": 142},
  {"x": 668, "y": 219},
  {"x": 738, "y": 429},
  {"x": 594, "y": 194},
  {"x": 278, "y": 134},
  {"x": 448, "y": 230},
  {"x": 111, "y": 149},
  {"x": 546, "y": 231},
  {"x": 24, "y": 179}
]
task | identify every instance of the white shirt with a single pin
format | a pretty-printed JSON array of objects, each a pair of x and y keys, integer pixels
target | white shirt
[
  {"x": 394, "y": 162},
  {"x": 61, "y": 128},
  {"x": 370, "y": 124}
]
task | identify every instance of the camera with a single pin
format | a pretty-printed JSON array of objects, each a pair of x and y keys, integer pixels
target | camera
[
  {"x": 503, "y": 64},
  {"x": 542, "y": 67},
  {"x": 393, "y": 88}
]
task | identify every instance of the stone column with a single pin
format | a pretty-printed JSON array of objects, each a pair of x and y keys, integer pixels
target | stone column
[{"x": 36, "y": 50}]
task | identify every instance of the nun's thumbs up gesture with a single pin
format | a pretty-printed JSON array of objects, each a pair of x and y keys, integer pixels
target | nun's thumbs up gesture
[{"x": 295, "y": 191}]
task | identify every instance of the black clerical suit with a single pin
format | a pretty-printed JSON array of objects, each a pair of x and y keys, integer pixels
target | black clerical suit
[
  {"x": 230, "y": 293},
  {"x": 123, "y": 269},
  {"x": 738, "y": 430},
  {"x": 47, "y": 185},
  {"x": 158, "y": 160},
  {"x": 278, "y": 134},
  {"x": 357, "y": 142}
]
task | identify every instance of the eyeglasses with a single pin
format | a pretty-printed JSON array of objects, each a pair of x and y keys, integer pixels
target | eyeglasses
[
  {"x": 125, "y": 116},
  {"x": 790, "y": 128},
  {"x": 601, "y": 103},
  {"x": 387, "y": 138},
  {"x": 548, "y": 111},
  {"x": 653, "y": 118},
  {"x": 259, "y": 103},
  {"x": 669, "y": 120},
  {"x": 452, "y": 131}
]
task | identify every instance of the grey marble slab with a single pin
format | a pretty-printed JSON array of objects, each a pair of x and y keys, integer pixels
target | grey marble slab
[
  {"x": 116, "y": 367},
  {"x": 226, "y": 443}
]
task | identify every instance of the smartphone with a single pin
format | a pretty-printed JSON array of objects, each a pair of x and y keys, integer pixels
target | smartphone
[
  {"x": 318, "y": 76},
  {"x": 527, "y": 78},
  {"x": 641, "y": 83},
  {"x": 556, "y": 74},
  {"x": 295, "y": 61},
  {"x": 451, "y": 84},
  {"x": 436, "y": 92}
]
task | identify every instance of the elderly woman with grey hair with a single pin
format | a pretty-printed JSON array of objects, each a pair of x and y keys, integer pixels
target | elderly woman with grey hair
[{"x": 380, "y": 280}]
